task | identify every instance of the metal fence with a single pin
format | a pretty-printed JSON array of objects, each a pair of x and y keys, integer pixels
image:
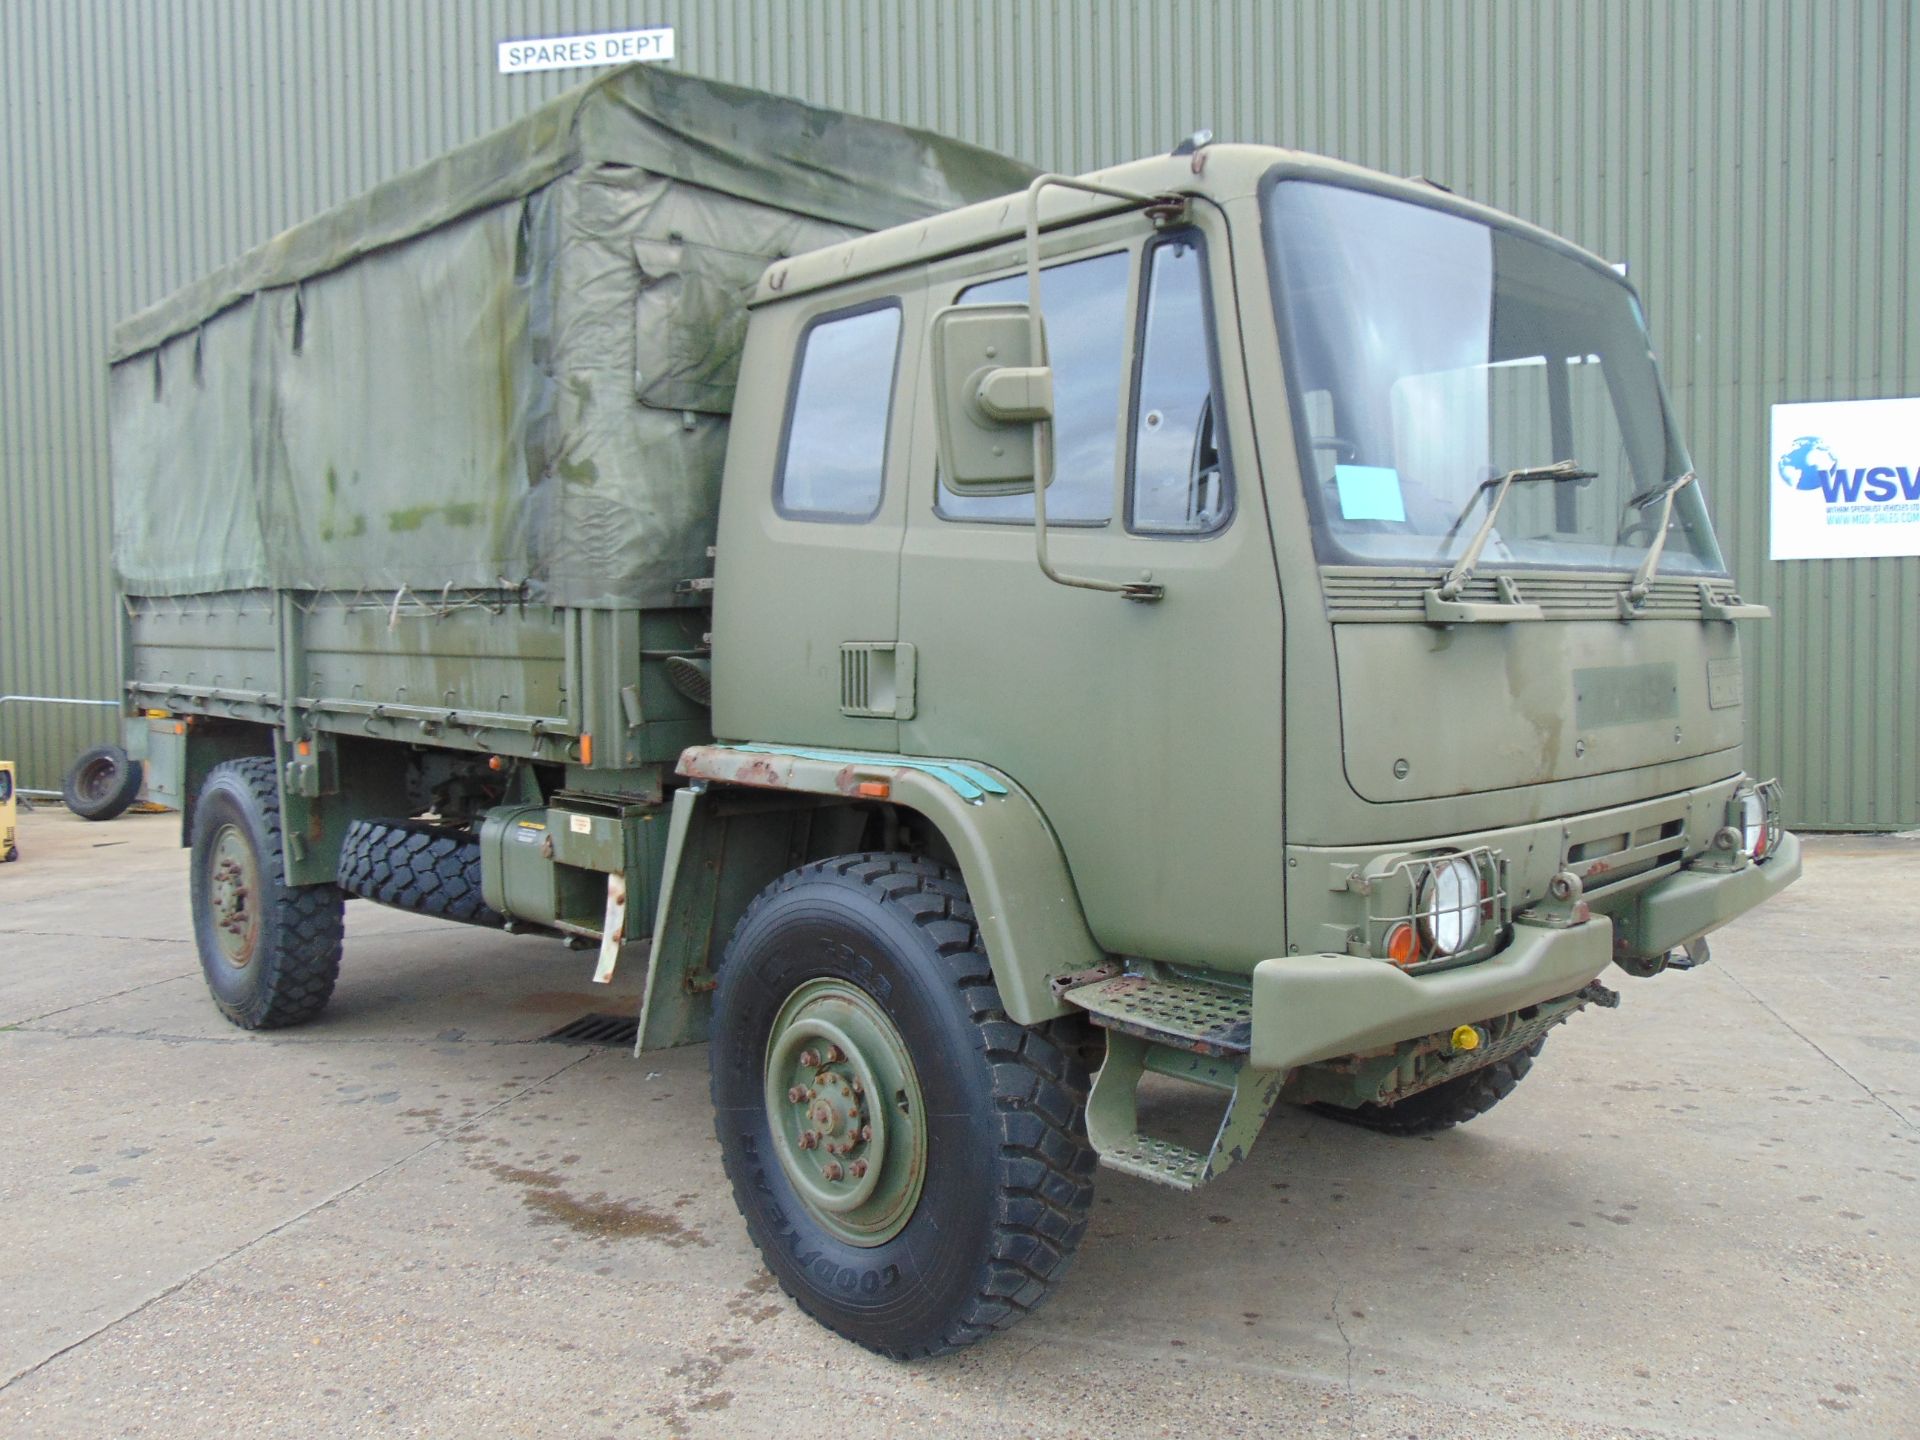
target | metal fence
[{"x": 7, "y": 735}]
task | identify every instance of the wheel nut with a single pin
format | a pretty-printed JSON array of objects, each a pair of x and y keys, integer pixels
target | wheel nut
[
  {"x": 808, "y": 1060},
  {"x": 808, "y": 1140},
  {"x": 834, "y": 1057},
  {"x": 866, "y": 1132},
  {"x": 797, "y": 1094},
  {"x": 833, "y": 1170},
  {"x": 858, "y": 1089},
  {"x": 859, "y": 1169}
]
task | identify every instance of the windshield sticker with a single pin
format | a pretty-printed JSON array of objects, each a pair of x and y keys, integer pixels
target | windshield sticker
[{"x": 1369, "y": 492}]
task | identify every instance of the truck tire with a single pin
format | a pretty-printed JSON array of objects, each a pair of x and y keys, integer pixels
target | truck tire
[
  {"x": 1451, "y": 1102},
  {"x": 102, "y": 783},
  {"x": 270, "y": 950},
  {"x": 411, "y": 865},
  {"x": 952, "y": 1207}
]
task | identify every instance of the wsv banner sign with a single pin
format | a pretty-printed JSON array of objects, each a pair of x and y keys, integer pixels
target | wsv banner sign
[{"x": 1846, "y": 479}]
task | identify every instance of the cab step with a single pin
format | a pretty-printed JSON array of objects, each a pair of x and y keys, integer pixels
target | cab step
[
  {"x": 1113, "y": 1116},
  {"x": 1187, "y": 1030},
  {"x": 1184, "y": 1014}
]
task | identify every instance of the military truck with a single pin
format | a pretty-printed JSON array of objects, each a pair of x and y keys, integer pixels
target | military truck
[{"x": 980, "y": 639}]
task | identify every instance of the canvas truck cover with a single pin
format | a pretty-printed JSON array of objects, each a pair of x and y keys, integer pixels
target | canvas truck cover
[{"x": 509, "y": 368}]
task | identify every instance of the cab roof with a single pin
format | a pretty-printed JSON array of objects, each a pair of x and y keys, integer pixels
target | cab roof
[{"x": 1220, "y": 173}]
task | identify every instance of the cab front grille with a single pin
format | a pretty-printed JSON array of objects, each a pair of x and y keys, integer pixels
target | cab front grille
[
  {"x": 1359, "y": 596},
  {"x": 1604, "y": 860}
]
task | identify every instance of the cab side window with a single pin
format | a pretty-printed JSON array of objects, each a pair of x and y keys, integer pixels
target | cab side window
[
  {"x": 1085, "y": 304},
  {"x": 833, "y": 461},
  {"x": 1180, "y": 482}
]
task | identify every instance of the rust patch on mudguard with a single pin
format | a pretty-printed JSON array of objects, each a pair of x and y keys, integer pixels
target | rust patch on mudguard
[{"x": 712, "y": 762}]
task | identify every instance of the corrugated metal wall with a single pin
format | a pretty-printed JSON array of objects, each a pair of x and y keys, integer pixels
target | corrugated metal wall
[{"x": 1755, "y": 161}]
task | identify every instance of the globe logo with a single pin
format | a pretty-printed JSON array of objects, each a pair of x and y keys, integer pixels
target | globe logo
[{"x": 1807, "y": 462}]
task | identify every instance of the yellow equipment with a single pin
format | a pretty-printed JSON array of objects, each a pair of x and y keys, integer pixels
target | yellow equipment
[{"x": 9, "y": 844}]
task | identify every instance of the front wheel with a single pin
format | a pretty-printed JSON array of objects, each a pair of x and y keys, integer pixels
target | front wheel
[
  {"x": 270, "y": 950},
  {"x": 913, "y": 1165}
]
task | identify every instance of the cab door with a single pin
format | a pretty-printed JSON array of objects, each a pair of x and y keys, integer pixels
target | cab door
[
  {"x": 806, "y": 580},
  {"x": 1149, "y": 733}
]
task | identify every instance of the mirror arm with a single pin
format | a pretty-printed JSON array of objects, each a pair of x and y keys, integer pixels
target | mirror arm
[
  {"x": 1142, "y": 590},
  {"x": 1164, "y": 209},
  {"x": 1015, "y": 395}
]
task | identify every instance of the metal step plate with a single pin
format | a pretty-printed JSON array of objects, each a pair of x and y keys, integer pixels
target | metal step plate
[
  {"x": 1207, "y": 1019},
  {"x": 1161, "y": 1161}
]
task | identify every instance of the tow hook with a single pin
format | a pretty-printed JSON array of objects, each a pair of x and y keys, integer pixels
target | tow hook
[
  {"x": 1563, "y": 907},
  {"x": 1690, "y": 956},
  {"x": 1597, "y": 994}
]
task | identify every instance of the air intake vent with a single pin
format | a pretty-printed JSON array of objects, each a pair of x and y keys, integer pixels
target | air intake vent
[
  {"x": 876, "y": 681},
  {"x": 856, "y": 680},
  {"x": 692, "y": 678}
]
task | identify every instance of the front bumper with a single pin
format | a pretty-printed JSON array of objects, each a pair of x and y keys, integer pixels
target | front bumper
[
  {"x": 1319, "y": 1007},
  {"x": 1687, "y": 905}
]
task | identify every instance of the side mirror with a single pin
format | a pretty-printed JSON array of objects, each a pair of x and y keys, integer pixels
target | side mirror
[{"x": 990, "y": 392}]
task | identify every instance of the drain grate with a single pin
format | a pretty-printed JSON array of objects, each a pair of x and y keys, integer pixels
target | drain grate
[{"x": 598, "y": 1030}]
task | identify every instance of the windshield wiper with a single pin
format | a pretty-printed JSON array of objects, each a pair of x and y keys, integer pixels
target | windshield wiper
[
  {"x": 1462, "y": 570},
  {"x": 1635, "y": 595}
]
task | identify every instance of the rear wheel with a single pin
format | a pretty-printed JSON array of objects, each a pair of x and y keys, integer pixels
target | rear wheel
[
  {"x": 1451, "y": 1102},
  {"x": 270, "y": 950},
  {"x": 912, "y": 1164},
  {"x": 102, "y": 783}
]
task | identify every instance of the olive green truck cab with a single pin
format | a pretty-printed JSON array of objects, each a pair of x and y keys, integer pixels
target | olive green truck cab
[{"x": 1293, "y": 659}]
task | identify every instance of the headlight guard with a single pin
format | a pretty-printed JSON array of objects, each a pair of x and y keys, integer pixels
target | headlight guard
[{"x": 1434, "y": 909}]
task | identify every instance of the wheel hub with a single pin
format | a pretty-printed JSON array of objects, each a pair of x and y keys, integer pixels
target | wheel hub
[
  {"x": 233, "y": 887},
  {"x": 93, "y": 780},
  {"x": 844, "y": 1107}
]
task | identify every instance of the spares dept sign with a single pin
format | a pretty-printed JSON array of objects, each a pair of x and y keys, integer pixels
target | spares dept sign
[
  {"x": 1845, "y": 479},
  {"x": 566, "y": 52}
]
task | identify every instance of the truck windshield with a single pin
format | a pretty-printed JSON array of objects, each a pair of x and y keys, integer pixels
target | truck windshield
[{"x": 1429, "y": 353}]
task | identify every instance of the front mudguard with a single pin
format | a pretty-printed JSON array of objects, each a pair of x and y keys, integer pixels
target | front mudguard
[{"x": 1023, "y": 895}]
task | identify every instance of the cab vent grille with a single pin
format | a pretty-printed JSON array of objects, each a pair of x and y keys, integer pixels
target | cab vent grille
[
  {"x": 856, "y": 680},
  {"x": 876, "y": 680}
]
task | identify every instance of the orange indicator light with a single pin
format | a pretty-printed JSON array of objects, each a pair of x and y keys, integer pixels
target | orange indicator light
[
  {"x": 874, "y": 789},
  {"x": 1403, "y": 946}
]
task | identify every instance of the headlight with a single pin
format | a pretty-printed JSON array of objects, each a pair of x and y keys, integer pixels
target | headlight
[
  {"x": 1753, "y": 824},
  {"x": 1449, "y": 905}
]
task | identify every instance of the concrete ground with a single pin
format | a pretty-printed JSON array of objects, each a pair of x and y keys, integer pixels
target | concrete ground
[{"x": 1696, "y": 1218}]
